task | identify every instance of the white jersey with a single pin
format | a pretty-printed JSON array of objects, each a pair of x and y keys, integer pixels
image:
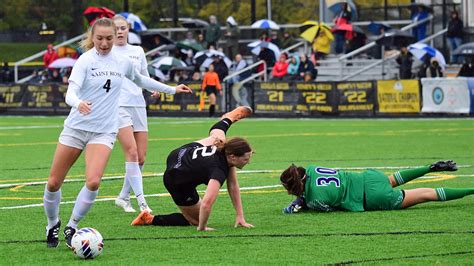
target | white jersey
[
  {"x": 131, "y": 94},
  {"x": 100, "y": 80}
]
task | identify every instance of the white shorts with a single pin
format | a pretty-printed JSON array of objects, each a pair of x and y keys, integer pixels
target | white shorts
[
  {"x": 133, "y": 116},
  {"x": 78, "y": 139}
]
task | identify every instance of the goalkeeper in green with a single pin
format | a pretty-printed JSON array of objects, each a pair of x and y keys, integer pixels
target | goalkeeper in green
[{"x": 324, "y": 189}]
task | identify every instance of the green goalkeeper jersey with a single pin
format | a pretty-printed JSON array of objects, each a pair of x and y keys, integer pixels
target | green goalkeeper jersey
[{"x": 329, "y": 189}]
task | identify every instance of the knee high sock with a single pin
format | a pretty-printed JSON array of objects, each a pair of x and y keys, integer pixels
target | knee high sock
[
  {"x": 405, "y": 176},
  {"x": 51, "y": 201},
  {"x": 212, "y": 110},
  {"x": 83, "y": 204},
  {"x": 174, "y": 219},
  {"x": 223, "y": 125},
  {"x": 445, "y": 194},
  {"x": 134, "y": 176},
  {"x": 126, "y": 188}
]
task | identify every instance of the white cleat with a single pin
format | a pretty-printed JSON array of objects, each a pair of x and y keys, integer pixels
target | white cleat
[
  {"x": 125, "y": 204},
  {"x": 144, "y": 207}
]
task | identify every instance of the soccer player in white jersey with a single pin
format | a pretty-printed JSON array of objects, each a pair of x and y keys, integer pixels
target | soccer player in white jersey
[
  {"x": 133, "y": 126},
  {"x": 93, "y": 92}
]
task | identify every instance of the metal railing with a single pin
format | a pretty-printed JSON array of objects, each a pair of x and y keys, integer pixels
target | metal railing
[
  {"x": 38, "y": 55},
  {"x": 343, "y": 58},
  {"x": 248, "y": 68},
  {"x": 427, "y": 39}
]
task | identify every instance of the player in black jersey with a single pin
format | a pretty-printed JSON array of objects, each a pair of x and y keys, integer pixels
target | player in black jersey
[{"x": 209, "y": 161}]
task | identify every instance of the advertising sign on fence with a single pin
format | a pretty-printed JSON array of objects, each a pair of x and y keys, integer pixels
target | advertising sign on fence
[
  {"x": 398, "y": 96},
  {"x": 445, "y": 95},
  {"x": 355, "y": 98}
]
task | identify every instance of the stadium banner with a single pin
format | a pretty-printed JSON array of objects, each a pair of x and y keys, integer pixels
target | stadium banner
[
  {"x": 470, "y": 85},
  {"x": 398, "y": 96},
  {"x": 294, "y": 98},
  {"x": 11, "y": 96},
  {"x": 178, "y": 104},
  {"x": 445, "y": 95},
  {"x": 355, "y": 98}
]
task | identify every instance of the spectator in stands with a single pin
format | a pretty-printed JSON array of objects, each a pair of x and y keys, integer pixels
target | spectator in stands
[
  {"x": 344, "y": 17},
  {"x": 190, "y": 37},
  {"x": 268, "y": 56},
  {"x": 405, "y": 61},
  {"x": 210, "y": 84},
  {"x": 213, "y": 32},
  {"x": 220, "y": 68},
  {"x": 280, "y": 69},
  {"x": 293, "y": 67},
  {"x": 5, "y": 73},
  {"x": 424, "y": 66},
  {"x": 274, "y": 38},
  {"x": 196, "y": 76},
  {"x": 189, "y": 60},
  {"x": 201, "y": 40},
  {"x": 308, "y": 77},
  {"x": 232, "y": 36},
  {"x": 239, "y": 92},
  {"x": 56, "y": 76},
  {"x": 49, "y": 57},
  {"x": 65, "y": 73},
  {"x": 287, "y": 40},
  {"x": 434, "y": 70},
  {"x": 264, "y": 37},
  {"x": 467, "y": 69},
  {"x": 306, "y": 66},
  {"x": 322, "y": 45},
  {"x": 419, "y": 14},
  {"x": 455, "y": 34},
  {"x": 357, "y": 41}
]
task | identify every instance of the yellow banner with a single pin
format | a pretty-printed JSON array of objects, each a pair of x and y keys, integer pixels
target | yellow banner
[{"x": 398, "y": 96}]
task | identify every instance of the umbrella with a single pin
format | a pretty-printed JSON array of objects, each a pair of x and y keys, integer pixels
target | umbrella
[
  {"x": 194, "y": 23},
  {"x": 258, "y": 45},
  {"x": 310, "y": 29},
  {"x": 159, "y": 74},
  {"x": 336, "y": 7},
  {"x": 154, "y": 38},
  {"x": 348, "y": 27},
  {"x": 425, "y": 6},
  {"x": 419, "y": 50},
  {"x": 465, "y": 49},
  {"x": 186, "y": 44},
  {"x": 92, "y": 13},
  {"x": 204, "y": 55},
  {"x": 167, "y": 62},
  {"x": 62, "y": 62},
  {"x": 396, "y": 38},
  {"x": 265, "y": 24},
  {"x": 136, "y": 23},
  {"x": 376, "y": 27},
  {"x": 133, "y": 38}
]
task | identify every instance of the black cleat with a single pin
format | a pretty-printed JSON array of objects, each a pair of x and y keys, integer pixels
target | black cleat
[
  {"x": 52, "y": 238},
  {"x": 444, "y": 166},
  {"x": 68, "y": 233}
]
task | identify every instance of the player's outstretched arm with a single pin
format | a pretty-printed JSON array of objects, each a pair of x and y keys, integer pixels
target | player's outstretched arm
[
  {"x": 208, "y": 200},
  {"x": 297, "y": 205},
  {"x": 153, "y": 85},
  {"x": 233, "y": 189}
]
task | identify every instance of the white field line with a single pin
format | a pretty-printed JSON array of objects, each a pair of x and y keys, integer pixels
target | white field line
[
  {"x": 148, "y": 196},
  {"x": 239, "y": 172}
]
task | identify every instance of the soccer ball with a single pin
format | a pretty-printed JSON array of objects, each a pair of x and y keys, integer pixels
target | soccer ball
[{"x": 87, "y": 243}]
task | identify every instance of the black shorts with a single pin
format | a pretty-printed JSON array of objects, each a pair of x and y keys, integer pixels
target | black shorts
[
  {"x": 182, "y": 195},
  {"x": 210, "y": 90}
]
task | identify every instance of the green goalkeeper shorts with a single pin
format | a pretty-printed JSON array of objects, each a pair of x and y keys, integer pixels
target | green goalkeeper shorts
[{"x": 379, "y": 194}]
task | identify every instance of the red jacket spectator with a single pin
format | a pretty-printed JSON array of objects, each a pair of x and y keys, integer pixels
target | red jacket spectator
[
  {"x": 280, "y": 69},
  {"x": 49, "y": 56}
]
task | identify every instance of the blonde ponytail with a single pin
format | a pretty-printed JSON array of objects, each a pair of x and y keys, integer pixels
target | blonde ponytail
[{"x": 87, "y": 43}]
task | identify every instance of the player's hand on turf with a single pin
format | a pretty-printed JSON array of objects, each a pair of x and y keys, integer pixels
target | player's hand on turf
[
  {"x": 181, "y": 88},
  {"x": 205, "y": 229},
  {"x": 155, "y": 94},
  {"x": 84, "y": 107},
  {"x": 241, "y": 222}
]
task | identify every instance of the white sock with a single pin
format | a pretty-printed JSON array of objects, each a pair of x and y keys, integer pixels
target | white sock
[
  {"x": 134, "y": 176},
  {"x": 125, "y": 192},
  {"x": 51, "y": 201},
  {"x": 83, "y": 204}
]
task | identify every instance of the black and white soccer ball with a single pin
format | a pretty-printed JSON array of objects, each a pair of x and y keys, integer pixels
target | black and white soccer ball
[{"x": 87, "y": 243}]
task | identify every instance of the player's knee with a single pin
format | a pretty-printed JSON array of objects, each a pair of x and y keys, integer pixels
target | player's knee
[
  {"x": 132, "y": 153},
  {"x": 93, "y": 184},
  {"x": 53, "y": 185}
]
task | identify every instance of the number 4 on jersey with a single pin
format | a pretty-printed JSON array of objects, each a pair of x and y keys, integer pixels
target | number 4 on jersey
[{"x": 107, "y": 86}]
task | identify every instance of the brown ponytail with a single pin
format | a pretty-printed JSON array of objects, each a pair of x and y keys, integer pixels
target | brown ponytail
[
  {"x": 292, "y": 180},
  {"x": 237, "y": 146},
  {"x": 87, "y": 43}
]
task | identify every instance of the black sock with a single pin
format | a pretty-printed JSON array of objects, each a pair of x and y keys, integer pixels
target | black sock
[
  {"x": 174, "y": 219},
  {"x": 212, "y": 110},
  {"x": 223, "y": 125}
]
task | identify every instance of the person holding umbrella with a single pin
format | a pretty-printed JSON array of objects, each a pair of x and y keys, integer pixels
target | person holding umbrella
[{"x": 344, "y": 17}]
